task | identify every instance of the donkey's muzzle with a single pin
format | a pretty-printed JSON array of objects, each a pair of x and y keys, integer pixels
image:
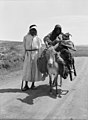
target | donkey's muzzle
[{"x": 50, "y": 65}]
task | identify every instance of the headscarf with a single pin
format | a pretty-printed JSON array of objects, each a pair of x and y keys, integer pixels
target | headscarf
[
  {"x": 33, "y": 30},
  {"x": 32, "y": 26}
]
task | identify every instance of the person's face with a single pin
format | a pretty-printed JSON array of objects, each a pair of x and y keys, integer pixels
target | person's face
[
  {"x": 33, "y": 32},
  {"x": 57, "y": 31}
]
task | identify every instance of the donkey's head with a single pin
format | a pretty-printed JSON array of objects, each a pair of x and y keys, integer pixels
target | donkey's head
[{"x": 50, "y": 55}]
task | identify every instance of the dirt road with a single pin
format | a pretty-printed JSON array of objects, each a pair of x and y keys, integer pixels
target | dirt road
[{"x": 39, "y": 104}]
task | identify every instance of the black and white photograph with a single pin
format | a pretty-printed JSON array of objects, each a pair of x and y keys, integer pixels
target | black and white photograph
[{"x": 43, "y": 59}]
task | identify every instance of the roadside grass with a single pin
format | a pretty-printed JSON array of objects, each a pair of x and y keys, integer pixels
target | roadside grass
[{"x": 11, "y": 57}]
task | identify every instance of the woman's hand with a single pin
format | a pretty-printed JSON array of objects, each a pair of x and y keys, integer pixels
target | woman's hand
[{"x": 57, "y": 39}]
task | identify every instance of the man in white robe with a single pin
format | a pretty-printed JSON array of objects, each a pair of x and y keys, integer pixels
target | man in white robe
[{"x": 32, "y": 50}]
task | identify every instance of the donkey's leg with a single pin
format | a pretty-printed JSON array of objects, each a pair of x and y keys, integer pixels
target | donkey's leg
[
  {"x": 60, "y": 81},
  {"x": 50, "y": 82},
  {"x": 74, "y": 69},
  {"x": 70, "y": 73},
  {"x": 54, "y": 81},
  {"x": 56, "y": 84}
]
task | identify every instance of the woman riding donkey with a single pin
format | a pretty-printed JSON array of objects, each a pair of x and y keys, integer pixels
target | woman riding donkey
[{"x": 60, "y": 42}]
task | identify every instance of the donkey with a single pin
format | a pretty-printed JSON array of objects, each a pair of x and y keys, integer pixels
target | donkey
[{"x": 53, "y": 68}]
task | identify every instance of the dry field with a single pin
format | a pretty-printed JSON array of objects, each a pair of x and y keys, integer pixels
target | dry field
[{"x": 11, "y": 57}]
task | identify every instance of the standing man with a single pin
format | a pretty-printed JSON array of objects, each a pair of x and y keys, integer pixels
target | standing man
[{"x": 32, "y": 47}]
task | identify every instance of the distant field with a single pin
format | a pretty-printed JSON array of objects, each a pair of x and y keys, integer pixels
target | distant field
[
  {"x": 82, "y": 51},
  {"x": 11, "y": 56}
]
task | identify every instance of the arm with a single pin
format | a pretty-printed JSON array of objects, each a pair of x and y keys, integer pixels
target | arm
[
  {"x": 47, "y": 39},
  {"x": 56, "y": 41},
  {"x": 24, "y": 46},
  {"x": 69, "y": 44}
]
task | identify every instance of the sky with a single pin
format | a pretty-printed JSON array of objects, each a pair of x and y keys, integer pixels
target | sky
[{"x": 17, "y": 15}]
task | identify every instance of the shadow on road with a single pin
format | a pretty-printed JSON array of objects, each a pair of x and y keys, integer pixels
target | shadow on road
[
  {"x": 40, "y": 91},
  {"x": 12, "y": 90}
]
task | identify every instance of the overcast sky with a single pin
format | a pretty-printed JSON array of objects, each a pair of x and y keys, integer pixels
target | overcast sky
[{"x": 17, "y": 15}]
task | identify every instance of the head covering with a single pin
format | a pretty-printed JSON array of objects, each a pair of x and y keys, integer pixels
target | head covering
[
  {"x": 33, "y": 30},
  {"x": 57, "y": 26},
  {"x": 68, "y": 34},
  {"x": 32, "y": 26},
  {"x": 57, "y": 30}
]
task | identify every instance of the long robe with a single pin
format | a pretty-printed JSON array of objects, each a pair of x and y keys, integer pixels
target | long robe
[{"x": 30, "y": 69}]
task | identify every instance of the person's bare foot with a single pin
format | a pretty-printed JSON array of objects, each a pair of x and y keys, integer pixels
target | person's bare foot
[
  {"x": 33, "y": 86},
  {"x": 25, "y": 88}
]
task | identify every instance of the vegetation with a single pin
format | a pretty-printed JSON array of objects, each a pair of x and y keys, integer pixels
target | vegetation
[{"x": 11, "y": 57}]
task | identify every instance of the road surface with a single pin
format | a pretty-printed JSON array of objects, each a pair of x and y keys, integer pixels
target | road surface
[{"x": 39, "y": 104}]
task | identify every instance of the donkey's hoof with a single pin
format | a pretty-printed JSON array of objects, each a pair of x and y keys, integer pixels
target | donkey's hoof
[
  {"x": 71, "y": 78},
  {"x": 59, "y": 96},
  {"x": 56, "y": 95},
  {"x": 75, "y": 74}
]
